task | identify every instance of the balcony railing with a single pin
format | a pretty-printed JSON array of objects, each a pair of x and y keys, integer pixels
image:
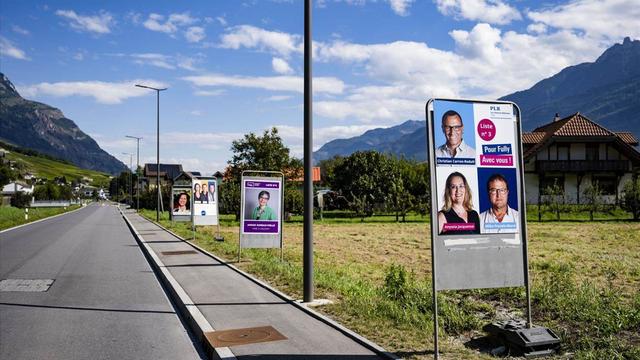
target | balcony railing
[{"x": 582, "y": 165}]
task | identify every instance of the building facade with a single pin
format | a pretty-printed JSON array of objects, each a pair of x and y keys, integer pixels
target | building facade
[{"x": 574, "y": 153}]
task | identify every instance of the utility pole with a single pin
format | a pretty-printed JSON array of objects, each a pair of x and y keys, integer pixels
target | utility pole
[
  {"x": 308, "y": 160},
  {"x": 137, "y": 167},
  {"x": 130, "y": 177},
  {"x": 157, "y": 90}
]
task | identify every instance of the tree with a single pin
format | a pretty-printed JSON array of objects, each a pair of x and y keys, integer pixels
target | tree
[
  {"x": 266, "y": 153},
  {"x": 593, "y": 198},
  {"x": 253, "y": 152},
  {"x": 365, "y": 179},
  {"x": 631, "y": 197},
  {"x": 555, "y": 198},
  {"x": 6, "y": 174}
]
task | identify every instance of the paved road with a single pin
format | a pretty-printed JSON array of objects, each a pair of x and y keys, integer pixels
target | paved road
[{"x": 105, "y": 301}]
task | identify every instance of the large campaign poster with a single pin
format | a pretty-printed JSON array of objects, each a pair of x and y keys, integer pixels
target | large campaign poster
[
  {"x": 181, "y": 204},
  {"x": 205, "y": 201},
  {"x": 475, "y": 157},
  {"x": 261, "y": 212}
]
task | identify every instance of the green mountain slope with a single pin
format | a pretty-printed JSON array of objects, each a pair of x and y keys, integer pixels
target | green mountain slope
[{"x": 43, "y": 167}]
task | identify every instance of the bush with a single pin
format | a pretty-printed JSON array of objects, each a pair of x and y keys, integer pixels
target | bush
[{"x": 20, "y": 200}]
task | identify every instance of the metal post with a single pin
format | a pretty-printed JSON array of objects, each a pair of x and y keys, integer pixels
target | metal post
[
  {"x": 130, "y": 177},
  {"x": 308, "y": 161},
  {"x": 158, "y": 154},
  {"x": 137, "y": 166},
  {"x": 157, "y": 145}
]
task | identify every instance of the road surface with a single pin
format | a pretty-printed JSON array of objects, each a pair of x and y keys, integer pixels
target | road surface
[{"x": 104, "y": 303}]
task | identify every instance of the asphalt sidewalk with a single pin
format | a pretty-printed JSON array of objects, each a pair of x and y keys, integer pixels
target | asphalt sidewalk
[{"x": 214, "y": 297}]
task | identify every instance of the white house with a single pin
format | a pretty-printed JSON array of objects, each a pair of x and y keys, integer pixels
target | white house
[{"x": 574, "y": 152}]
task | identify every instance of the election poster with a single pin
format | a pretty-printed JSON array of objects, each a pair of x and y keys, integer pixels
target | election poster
[
  {"x": 181, "y": 204},
  {"x": 261, "y": 212},
  {"x": 477, "y": 197},
  {"x": 205, "y": 201}
]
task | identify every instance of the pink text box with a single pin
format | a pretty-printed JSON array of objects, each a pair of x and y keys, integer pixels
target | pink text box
[{"x": 458, "y": 226}]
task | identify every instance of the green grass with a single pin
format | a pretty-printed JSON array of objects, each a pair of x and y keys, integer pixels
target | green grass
[
  {"x": 49, "y": 169},
  {"x": 10, "y": 216},
  {"x": 585, "y": 283}
]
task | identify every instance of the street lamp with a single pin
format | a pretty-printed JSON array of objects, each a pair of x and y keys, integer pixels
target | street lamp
[
  {"x": 130, "y": 177},
  {"x": 137, "y": 167},
  {"x": 157, "y": 90}
]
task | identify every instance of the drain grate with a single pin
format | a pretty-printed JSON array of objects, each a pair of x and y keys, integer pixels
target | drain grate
[
  {"x": 226, "y": 338},
  {"x": 179, "y": 252},
  {"x": 26, "y": 285}
]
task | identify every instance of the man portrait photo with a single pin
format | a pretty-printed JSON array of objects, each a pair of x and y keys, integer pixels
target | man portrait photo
[
  {"x": 453, "y": 129},
  {"x": 500, "y": 217}
]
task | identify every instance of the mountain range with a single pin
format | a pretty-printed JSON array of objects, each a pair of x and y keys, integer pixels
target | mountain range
[
  {"x": 607, "y": 91},
  {"x": 43, "y": 128}
]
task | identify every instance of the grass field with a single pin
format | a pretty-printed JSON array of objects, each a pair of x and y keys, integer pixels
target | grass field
[
  {"x": 585, "y": 284},
  {"x": 10, "y": 216},
  {"x": 49, "y": 169}
]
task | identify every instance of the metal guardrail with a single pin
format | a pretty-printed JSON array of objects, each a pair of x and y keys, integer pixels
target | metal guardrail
[{"x": 53, "y": 203}]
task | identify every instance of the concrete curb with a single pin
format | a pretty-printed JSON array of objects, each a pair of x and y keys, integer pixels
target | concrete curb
[
  {"x": 43, "y": 219},
  {"x": 188, "y": 310},
  {"x": 349, "y": 333}
]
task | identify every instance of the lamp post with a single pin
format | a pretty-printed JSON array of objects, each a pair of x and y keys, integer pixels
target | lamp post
[
  {"x": 137, "y": 167},
  {"x": 130, "y": 177},
  {"x": 157, "y": 90},
  {"x": 308, "y": 161}
]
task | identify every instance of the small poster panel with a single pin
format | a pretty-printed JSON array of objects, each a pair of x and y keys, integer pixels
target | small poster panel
[
  {"x": 181, "y": 204},
  {"x": 205, "y": 201},
  {"x": 478, "y": 197},
  {"x": 261, "y": 212}
]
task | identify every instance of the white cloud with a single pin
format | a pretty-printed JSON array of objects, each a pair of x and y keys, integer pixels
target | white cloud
[
  {"x": 153, "y": 23},
  {"x": 157, "y": 60},
  {"x": 97, "y": 24},
  {"x": 248, "y": 36},
  {"x": 400, "y": 7},
  {"x": 281, "y": 66},
  {"x": 196, "y": 112},
  {"x": 173, "y": 23},
  {"x": 278, "y": 98},
  {"x": 19, "y": 30},
  {"x": 102, "y": 92},
  {"x": 275, "y": 83},
  {"x": 195, "y": 34},
  {"x": 187, "y": 63},
  {"x": 603, "y": 20},
  {"x": 481, "y": 42},
  {"x": 222, "y": 20},
  {"x": 209, "y": 92},
  {"x": 8, "y": 49},
  {"x": 79, "y": 56},
  {"x": 168, "y": 62},
  {"x": 293, "y": 136},
  {"x": 537, "y": 28},
  {"x": 486, "y": 64},
  {"x": 490, "y": 11},
  {"x": 183, "y": 138}
]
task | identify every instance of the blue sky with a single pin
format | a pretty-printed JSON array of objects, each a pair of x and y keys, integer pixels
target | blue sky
[{"x": 234, "y": 67}]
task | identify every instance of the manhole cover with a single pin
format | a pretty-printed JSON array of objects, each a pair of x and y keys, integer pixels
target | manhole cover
[
  {"x": 26, "y": 285},
  {"x": 178, "y": 252},
  {"x": 226, "y": 338}
]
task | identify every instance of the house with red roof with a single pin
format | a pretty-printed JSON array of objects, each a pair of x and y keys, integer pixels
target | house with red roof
[{"x": 575, "y": 152}]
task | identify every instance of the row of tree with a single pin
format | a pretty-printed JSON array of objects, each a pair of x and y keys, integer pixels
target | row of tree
[{"x": 365, "y": 182}]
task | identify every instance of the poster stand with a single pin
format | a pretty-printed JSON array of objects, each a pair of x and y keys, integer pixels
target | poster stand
[
  {"x": 488, "y": 259},
  {"x": 242, "y": 207},
  {"x": 199, "y": 216}
]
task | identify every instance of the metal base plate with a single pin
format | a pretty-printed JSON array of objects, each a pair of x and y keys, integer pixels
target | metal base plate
[
  {"x": 234, "y": 337},
  {"x": 26, "y": 285},
  {"x": 178, "y": 252}
]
